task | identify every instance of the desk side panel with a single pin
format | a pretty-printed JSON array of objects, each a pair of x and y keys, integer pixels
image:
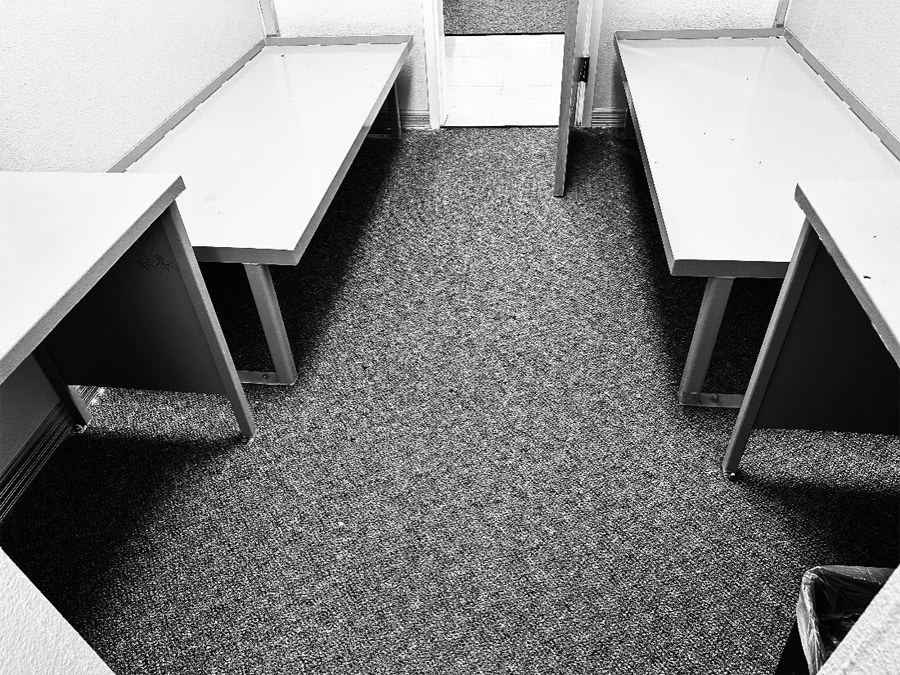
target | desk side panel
[
  {"x": 859, "y": 225},
  {"x": 26, "y": 399},
  {"x": 833, "y": 372},
  {"x": 59, "y": 233},
  {"x": 137, "y": 328}
]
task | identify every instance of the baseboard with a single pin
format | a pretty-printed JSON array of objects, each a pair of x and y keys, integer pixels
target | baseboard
[
  {"x": 600, "y": 117},
  {"x": 409, "y": 119},
  {"x": 36, "y": 451},
  {"x": 608, "y": 117}
]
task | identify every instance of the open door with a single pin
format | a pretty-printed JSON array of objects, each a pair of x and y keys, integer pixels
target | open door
[{"x": 582, "y": 31}]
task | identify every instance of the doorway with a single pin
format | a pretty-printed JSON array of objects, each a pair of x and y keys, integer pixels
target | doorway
[
  {"x": 503, "y": 62},
  {"x": 503, "y": 80}
]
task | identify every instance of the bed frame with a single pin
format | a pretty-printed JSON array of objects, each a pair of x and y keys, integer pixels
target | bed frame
[
  {"x": 264, "y": 149},
  {"x": 728, "y": 121}
]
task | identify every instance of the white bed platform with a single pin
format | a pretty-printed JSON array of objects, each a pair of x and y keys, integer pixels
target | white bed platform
[{"x": 264, "y": 154}]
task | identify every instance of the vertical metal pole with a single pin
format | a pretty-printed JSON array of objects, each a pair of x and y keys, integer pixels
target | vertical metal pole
[
  {"x": 260, "y": 278},
  {"x": 781, "y": 13},
  {"x": 709, "y": 320},
  {"x": 269, "y": 18}
]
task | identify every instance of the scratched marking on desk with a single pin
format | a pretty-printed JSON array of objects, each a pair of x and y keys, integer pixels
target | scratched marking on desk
[
  {"x": 132, "y": 269},
  {"x": 143, "y": 262}
]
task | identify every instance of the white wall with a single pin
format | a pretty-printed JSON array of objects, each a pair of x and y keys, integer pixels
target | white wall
[
  {"x": 83, "y": 81},
  {"x": 671, "y": 15},
  {"x": 365, "y": 17},
  {"x": 858, "y": 41},
  {"x": 34, "y": 637},
  {"x": 310, "y": 18}
]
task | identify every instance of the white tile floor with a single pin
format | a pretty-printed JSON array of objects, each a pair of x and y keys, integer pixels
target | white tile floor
[{"x": 503, "y": 80}]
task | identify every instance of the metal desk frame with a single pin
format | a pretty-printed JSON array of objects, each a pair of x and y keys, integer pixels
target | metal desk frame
[
  {"x": 831, "y": 357},
  {"x": 138, "y": 315}
]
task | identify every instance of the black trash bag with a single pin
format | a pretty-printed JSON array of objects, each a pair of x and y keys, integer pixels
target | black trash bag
[{"x": 832, "y": 598}]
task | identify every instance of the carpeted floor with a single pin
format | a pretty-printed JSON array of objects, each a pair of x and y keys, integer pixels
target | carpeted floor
[
  {"x": 482, "y": 469},
  {"x": 471, "y": 17}
]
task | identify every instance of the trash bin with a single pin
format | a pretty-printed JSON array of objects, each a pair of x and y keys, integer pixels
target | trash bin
[{"x": 832, "y": 598}]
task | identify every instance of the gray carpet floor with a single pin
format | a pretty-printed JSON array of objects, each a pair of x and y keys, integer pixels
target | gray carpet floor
[
  {"x": 470, "y": 17},
  {"x": 482, "y": 469}
]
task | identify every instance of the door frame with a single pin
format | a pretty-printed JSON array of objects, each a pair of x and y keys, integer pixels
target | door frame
[
  {"x": 593, "y": 51},
  {"x": 435, "y": 57},
  {"x": 436, "y": 54},
  {"x": 576, "y": 101}
]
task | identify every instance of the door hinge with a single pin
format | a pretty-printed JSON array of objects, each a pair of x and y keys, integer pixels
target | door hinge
[{"x": 583, "y": 66}]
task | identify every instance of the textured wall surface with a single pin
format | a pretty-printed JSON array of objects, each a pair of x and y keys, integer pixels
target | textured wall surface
[
  {"x": 364, "y": 17},
  {"x": 83, "y": 82},
  {"x": 355, "y": 17},
  {"x": 34, "y": 638},
  {"x": 860, "y": 43},
  {"x": 667, "y": 14}
]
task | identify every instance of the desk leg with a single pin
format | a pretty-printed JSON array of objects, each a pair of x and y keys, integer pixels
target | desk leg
[
  {"x": 187, "y": 265},
  {"x": 392, "y": 103},
  {"x": 822, "y": 365},
  {"x": 68, "y": 394},
  {"x": 260, "y": 278},
  {"x": 709, "y": 320},
  {"x": 788, "y": 299}
]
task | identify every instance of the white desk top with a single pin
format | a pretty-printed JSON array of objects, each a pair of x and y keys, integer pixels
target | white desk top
[
  {"x": 59, "y": 233},
  {"x": 729, "y": 127},
  {"x": 859, "y": 225},
  {"x": 262, "y": 157}
]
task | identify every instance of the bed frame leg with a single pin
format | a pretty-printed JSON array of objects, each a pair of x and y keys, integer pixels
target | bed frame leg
[
  {"x": 392, "y": 107},
  {"x": 394, "y": 112},
  {"x": 712, "y": 309},
  {"x": 260, "y": 278}
]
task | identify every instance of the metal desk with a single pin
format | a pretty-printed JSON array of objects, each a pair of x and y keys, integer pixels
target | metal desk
[
  {"x": 99, "y": 282},
  {"x": 831, "y": 356}
]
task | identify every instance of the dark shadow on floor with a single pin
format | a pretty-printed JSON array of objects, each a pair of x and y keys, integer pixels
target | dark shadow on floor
[
  {"x": 857, "y": 525},
  {"x": 92, "y": 500},
  {"x": 307, "y": 291}
]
